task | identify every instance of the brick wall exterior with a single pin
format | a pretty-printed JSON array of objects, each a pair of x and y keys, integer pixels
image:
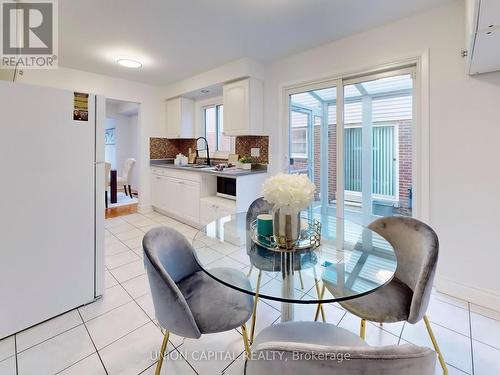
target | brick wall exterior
[{"x": 405, "y": 161}]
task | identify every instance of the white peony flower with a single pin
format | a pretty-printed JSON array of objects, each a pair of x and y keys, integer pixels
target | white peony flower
[{"x": 289, "y": 190}]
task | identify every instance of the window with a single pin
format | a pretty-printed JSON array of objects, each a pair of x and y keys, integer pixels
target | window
[
  {"x": 214, "y": 127},
  {"x": 299, "y": 142},
  {"x": 298, "y": 135}
]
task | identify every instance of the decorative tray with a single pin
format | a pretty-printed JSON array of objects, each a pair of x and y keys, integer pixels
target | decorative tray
[{"x": 310, "y": 236}]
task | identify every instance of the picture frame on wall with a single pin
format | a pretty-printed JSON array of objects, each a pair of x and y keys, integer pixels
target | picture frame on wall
[{"x": 109, "y": 137}]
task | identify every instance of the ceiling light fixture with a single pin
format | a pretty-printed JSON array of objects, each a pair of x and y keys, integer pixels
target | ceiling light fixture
[{"x": 128, "y": 62}]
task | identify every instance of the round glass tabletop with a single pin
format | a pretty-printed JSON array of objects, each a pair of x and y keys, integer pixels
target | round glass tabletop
[{"x": 350, "y": 262}]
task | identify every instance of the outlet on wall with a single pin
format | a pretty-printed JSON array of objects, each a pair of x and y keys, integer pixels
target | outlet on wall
[{"x": 255, "y": 152}]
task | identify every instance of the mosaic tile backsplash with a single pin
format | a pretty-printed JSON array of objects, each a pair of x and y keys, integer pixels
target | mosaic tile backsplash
[
  {"x": 165, "y": 148},
  {"x": 244, "y": 143}
]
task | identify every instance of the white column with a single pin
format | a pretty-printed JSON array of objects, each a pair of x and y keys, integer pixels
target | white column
[
  {"x": 324, "y": 158},
  {"x": 366, "y": 188}
]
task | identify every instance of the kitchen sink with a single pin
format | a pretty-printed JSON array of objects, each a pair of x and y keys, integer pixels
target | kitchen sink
[
  {"x": 197, "y": 166},
  {"x": 201, "y": 166}
]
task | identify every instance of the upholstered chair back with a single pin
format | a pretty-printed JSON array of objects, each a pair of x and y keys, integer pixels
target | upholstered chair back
[
  {"x": 258, "y": 206},
  {"x": 416, "y": 246},
  {"x": 169, "y": 258},
  {"x": 107, "y": 171},
  {"x": 127, "y": 168},
  {"x": 291, "y": 358}
]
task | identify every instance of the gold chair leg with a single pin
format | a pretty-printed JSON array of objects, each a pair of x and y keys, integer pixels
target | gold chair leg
[
  {"x": 362, "y": 329},
  {"x": 162, "y": 352},
  {"x": 254, "y": 313},
  {"x": 436, "y": 346},
  {"x": 319, "y": 308},
  {"x": 250, "y": 271},
  {"x": 245, "y": 340},
  {"x": 301, "y": 281}
]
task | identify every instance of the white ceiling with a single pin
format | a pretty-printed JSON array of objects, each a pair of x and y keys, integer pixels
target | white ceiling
[{"x": 179, "y": 38}]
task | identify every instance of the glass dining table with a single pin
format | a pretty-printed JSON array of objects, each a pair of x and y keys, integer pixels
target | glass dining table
[{"x": 351, "y": 261}]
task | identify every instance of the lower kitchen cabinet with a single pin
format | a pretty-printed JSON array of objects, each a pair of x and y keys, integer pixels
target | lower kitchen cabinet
[
  {"x": 177, "y": 197},
  {"x": 190, "y": 196},
  {"x": 212, "y": 208},
  {"x": 187, "y": 200}
]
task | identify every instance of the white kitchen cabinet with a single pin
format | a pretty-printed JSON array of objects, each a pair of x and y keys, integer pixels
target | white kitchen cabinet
[
  {"x": 180, "y": 118},
  {"x": 169, "y": 192},
  {"x": 177, "y": 197},
  {"x": 177, "y": 193},
  {"x": 212, "y": 208},
  {"x": 482, "y": 27},
  {"x": 243, "y": 107},
  {"x": 162, "y": 189},
  {"x": 190, "y": 196},
  {"x": 156, "y": 194},
  {"x": 188, "y": 200}
]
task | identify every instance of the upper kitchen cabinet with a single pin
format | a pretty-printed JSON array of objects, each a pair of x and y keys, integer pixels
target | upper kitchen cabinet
[
  {"x": 180, "y": 118},
  {"x": 483, "y": 35},
  {"x": 243, "y": 107}
]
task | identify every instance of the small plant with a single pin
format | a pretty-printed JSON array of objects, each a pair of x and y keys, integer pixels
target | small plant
[{"x": 246, "y": 160}]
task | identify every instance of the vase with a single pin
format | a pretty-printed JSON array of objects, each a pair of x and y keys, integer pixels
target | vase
[{"x": 286, "y": 226}]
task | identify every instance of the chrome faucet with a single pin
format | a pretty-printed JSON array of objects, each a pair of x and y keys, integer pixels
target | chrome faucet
[{"x": 206, "y": 148}]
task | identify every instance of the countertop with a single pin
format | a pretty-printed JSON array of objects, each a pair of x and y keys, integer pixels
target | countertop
[{"x": 232, "y": 172}]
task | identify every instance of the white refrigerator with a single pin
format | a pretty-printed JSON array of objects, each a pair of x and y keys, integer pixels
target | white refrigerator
[{"x": 51, "y": 204}]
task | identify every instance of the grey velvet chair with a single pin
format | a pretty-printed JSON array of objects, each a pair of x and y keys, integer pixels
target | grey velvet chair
[
  {"x": 257, "y": 207},
  {"x": 187, "y": 301},
  {"x": 406, "y": 297},
  {"x": 297, "y": 348}
]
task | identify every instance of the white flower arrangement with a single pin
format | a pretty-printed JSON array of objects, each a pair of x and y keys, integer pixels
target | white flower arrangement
[{"x": 294, "y": 191}]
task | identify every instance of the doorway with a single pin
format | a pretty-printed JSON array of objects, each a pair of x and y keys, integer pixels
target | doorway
[{"x": 122, "y": 156}]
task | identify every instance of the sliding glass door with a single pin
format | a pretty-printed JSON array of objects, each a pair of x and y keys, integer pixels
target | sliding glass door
[
  {"x": 378, "y": 118},
  {"x": 362, "y": 166},
  {"x": 313, "y": 141}
]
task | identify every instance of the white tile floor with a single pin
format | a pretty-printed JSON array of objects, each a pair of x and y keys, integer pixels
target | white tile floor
[{"x": 119, "y": 335}]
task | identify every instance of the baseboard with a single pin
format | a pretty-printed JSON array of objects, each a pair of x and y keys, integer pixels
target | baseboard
[
  {"x": 479, "y": 296},
  {"x": 144, "y": 208},
  {"x": 178, "y": 218}
]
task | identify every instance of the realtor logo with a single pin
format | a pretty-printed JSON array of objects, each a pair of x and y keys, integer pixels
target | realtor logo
[{"x": 28, "y": 34}]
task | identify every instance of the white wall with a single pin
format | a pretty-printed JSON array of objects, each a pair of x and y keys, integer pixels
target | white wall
[
  {"x": 464, "y": 137},
  {"x": 151, "y": 119},
  {"x": 231, "y": 71}
]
